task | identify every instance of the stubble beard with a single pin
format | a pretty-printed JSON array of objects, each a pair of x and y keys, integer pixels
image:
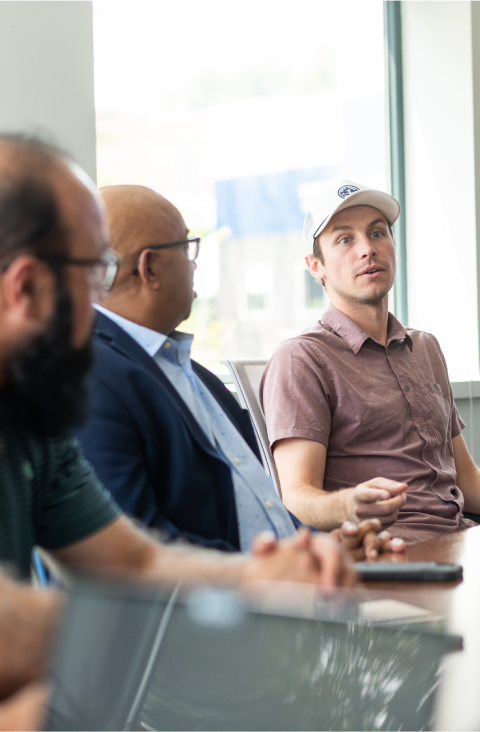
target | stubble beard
[{"x": 358, "y": 298}]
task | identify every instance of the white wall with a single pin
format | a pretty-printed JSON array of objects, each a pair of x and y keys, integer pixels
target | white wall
[
  {"x": 440, "y": 180},
  {"x": 46, "y": 74}
]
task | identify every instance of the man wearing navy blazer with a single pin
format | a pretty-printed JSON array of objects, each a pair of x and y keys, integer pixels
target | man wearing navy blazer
[{"x": 165, "y": 436}]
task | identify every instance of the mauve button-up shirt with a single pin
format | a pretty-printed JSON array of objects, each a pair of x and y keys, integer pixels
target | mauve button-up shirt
[{"x": 380, "y": 410}]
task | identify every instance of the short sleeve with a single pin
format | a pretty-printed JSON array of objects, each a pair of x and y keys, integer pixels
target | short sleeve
[
  {"x": 457, "y": 422},
  {"x": 294, "y": 396},
  {"x": 75, "y": 504}
]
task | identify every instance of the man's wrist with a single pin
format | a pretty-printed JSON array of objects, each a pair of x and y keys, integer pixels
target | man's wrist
[
  {"x": 339, "y": 510},
  {"x": 347, "y": 511}
]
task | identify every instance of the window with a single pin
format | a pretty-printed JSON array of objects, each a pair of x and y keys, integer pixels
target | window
[
  {"x": 314, "y": 297},
  {"x": 257, "y": 292},
  {"x": 269, "y": 103}
]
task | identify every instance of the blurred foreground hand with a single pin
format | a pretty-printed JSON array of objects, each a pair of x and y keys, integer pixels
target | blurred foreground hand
[
  {"x": 24, "y": 710},
  {"x": 305, "y": 557}
]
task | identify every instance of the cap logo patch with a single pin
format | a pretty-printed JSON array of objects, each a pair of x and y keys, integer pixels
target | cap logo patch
[{"x": 345, "y": 191}]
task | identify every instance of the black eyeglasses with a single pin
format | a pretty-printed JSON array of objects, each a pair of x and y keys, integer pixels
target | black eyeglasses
[
  {"x": 101, "y": 272},
  {"x": 192, "y": 247}
]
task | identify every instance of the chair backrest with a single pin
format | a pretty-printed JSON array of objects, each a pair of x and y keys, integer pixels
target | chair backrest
[{"x": 246, "y": 374}]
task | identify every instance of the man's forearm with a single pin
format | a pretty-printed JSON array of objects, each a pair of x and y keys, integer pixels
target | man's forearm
[
  {"x": 123, "y": 550},
  {"x": 28, "y": 619},
  {"x": 322, "y": 509},
  {"x": 468, "y": 475},
  {"x": 128, "y": 551},
  {"x": 380, "y": 498},
  {"x": 300, "y": 558},
  {"x": 471, "y": 492},
  {"x": 187, "y": 564}
]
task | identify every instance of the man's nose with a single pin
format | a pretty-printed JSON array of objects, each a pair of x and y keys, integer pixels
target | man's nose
[{"x": 367, "y": 247}]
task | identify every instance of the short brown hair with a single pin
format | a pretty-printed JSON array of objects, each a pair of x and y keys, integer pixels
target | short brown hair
[
  {"x": 317, "y": 249},
  {"x": 317, "y": 252}
]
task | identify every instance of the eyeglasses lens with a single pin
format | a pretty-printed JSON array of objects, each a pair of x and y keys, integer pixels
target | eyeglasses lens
[
  {"x": 193, "y": 247},
  {"x": 103, "y": 273}
]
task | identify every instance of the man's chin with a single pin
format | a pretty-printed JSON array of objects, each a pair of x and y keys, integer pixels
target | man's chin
[
  {"x": 370, "y": 295},
  {"x": 373, "y": 293},
  {"x": 371, "y": 298}
]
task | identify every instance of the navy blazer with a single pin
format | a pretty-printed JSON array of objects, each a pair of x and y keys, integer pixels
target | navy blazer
[{"x": 148, "y": 449}]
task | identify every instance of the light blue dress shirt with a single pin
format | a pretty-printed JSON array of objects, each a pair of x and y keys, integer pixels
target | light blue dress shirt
[{"x": 259, "y": 508}]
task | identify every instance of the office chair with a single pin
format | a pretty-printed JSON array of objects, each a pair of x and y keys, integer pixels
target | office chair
[{"x": 246, "y": 374}]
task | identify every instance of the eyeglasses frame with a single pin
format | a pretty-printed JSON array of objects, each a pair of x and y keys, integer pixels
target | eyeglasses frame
[
  {"x": 64, "y": 259},
  {"x": 195, "y": 239},
  {"x": 111, "y": 267}
]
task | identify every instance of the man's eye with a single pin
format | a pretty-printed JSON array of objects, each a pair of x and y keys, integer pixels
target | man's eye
[
  {"x": 345, "y": 240},
  {"x": 377, "y": 234}
]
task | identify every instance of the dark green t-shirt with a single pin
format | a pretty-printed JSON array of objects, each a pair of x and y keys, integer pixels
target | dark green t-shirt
[{"x": 49, "y": 493}]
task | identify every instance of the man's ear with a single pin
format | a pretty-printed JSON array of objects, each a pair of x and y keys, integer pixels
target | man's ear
[
  {"x": 148, "y": 268},
  {"x": 28, "y": 293},
  {"x": 315, "y": 266}
]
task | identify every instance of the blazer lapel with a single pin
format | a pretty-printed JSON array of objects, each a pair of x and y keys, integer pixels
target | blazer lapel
[{"x": 121, "y": 342}]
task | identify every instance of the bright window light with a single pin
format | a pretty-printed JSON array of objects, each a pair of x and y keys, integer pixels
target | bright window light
[{"x": 240, "y": 114}]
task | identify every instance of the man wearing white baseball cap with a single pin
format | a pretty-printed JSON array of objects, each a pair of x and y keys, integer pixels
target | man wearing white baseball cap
[{"x": 360, "y": 412}]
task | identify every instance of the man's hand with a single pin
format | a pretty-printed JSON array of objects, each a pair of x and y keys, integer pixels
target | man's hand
[
  {"x": 28, "y": 620},
  {"x": 305, "y": 557},
  {"x": 24, "y": 710},
  {"x": 363, "y": 541},
  {"x": 301, "y": 468},
  {"x": 377, "y": 498}
]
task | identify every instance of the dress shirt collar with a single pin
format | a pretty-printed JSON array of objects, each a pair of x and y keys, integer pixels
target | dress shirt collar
[
  {"x": 354, "y": 336},
  {"x": 176, "y": 349},
  {"x": 148, "y": 339}
]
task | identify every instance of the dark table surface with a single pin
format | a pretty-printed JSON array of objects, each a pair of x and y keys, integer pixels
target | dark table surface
[{"x": 458, "y": 706}]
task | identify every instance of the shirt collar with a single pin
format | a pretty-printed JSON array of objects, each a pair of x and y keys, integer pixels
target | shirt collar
[
  {"x": 148, "y": 339},
  {"x": 354, "y": 336},
  {"x": 176, "y": 348}
]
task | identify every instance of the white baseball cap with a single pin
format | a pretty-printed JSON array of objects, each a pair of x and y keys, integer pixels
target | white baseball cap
[{"x": 340, "y": 195}]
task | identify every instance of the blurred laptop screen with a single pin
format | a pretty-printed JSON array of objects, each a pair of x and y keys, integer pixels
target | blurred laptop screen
[{"x": 137, "y": 659}]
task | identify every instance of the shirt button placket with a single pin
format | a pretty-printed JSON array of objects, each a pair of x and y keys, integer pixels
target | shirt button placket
[{"x": 421, "y": 427}]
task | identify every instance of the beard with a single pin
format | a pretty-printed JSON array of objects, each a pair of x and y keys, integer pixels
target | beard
[
  {"x": 47, "y": 377},
  {"x": 373, "y": 297}
]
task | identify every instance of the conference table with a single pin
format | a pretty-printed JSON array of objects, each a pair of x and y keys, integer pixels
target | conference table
[{"x": 458, "y": 700}]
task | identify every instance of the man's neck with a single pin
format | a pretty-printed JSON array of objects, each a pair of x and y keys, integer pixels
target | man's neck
[{"x": 373, "y": 319}]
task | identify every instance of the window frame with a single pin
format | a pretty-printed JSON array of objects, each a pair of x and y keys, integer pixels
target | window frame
[{"x": 392, "y": 13}]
